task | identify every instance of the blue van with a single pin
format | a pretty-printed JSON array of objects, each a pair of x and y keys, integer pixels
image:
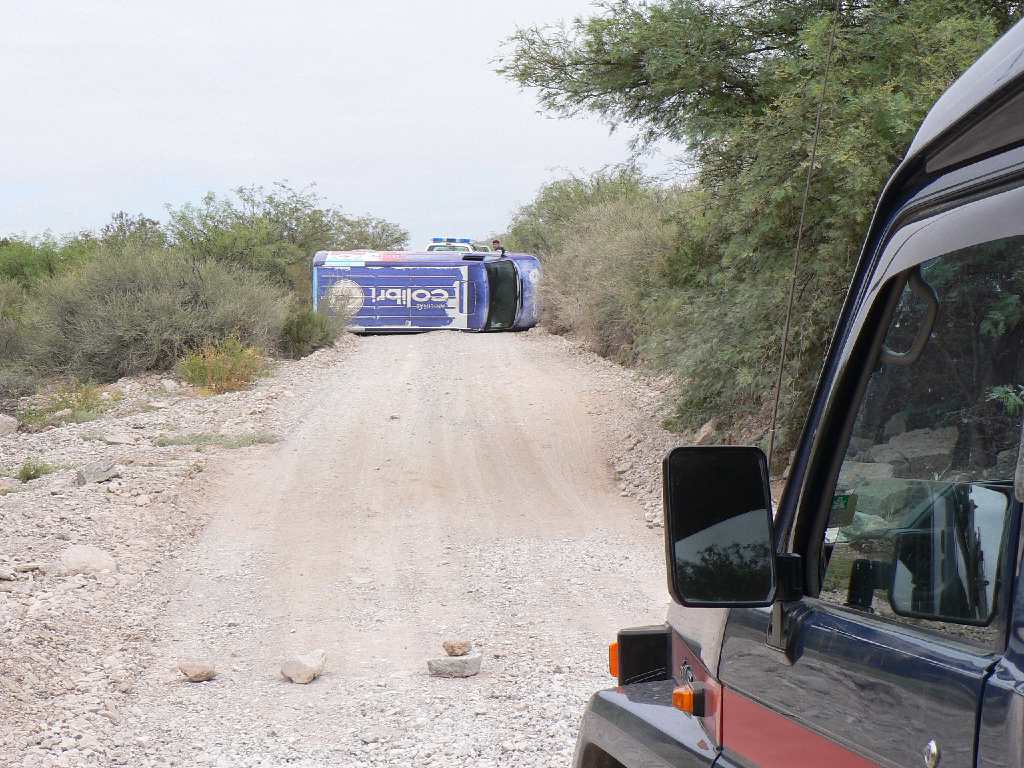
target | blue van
[
  {"x": 877, "y": 617},
  {"x": 403, "y": 292}
]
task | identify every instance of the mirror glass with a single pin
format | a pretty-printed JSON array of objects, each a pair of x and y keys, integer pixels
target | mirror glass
[
  {"x": 945, "y": 566},
  {"x": 718, "y": 526}
]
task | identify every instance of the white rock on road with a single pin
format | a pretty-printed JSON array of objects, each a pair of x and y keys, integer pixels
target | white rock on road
[
  {"x": 197, "y": 671},
  {"x": 8, "y": 424},
  {"x": 97, "y": 472},
  {"x": 465, "y": 665},
  {"x": 304, "y": 668},
  {"x": 87, "y": 559}
]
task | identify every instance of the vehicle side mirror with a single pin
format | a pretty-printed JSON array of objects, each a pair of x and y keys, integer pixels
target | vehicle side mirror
[
  {"x": 925, "y": 585},
  {"x": 719, "y": 542}
]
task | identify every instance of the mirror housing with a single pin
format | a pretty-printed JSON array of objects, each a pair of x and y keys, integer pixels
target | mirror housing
[{"x": 719, "y": 539}]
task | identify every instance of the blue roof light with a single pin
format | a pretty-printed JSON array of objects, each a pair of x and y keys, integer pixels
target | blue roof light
[{"x": 460, "y": 240}]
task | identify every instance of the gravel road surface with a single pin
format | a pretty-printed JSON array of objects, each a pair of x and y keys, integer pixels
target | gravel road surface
[{"x": 425, "y": 488}]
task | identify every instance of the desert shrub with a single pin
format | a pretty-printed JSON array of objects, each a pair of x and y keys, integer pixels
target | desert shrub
[
  {"x": 306, "y": 330},
  {"x": 15, "y": 378},
  {"x": 12, "y": 306},
  {"x": 275, "y": 231},
  {"x": 27, "y": 261},
  {"x": 33, "y": 469},
  {"x": 140, "y": 310},
  {"x": 70, "y": 402},
  {"x": 597, "y": 283},
  {"x": 544, "y": 225},
  {"x": 227, "y": 366},
  {"x": 124, "y": 232}
]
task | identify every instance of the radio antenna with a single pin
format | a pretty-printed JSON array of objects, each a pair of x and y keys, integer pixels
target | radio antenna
[{"x": 800, "y": 234}]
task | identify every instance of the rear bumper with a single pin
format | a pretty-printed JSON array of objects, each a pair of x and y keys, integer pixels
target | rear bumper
[{"x": 637, "y": 726}]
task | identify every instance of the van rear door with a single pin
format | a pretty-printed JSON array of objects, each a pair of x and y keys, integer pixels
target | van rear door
[{"x": 400, "y": 297}]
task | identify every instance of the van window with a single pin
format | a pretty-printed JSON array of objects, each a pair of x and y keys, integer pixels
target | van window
[{"x": 920, "y": 522}]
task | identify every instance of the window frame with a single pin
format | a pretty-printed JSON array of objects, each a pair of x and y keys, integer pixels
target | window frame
[{"x": 899, "y": 252}]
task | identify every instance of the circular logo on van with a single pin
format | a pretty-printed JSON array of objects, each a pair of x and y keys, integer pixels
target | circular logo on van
[{"x": 345, "y": 297}]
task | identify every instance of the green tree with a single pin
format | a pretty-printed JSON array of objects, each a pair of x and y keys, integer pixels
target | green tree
[
  {"x": 736, "y": 84},
  {"x": 274, "y": 231},
  {"x": 126, "y": 231}
]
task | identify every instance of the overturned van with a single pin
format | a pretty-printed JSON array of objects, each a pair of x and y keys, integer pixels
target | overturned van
[{"x": 405, "y": 292}]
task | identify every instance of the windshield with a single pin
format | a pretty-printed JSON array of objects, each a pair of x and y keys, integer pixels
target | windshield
[
  {"x": 503, "y": 280},
  {"x": 448, "y": 247}
]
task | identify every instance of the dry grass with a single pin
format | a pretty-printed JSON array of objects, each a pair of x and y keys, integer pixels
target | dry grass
[
  {"x": 71, "y": 403},
  {"x": 202, "y": 440},
  {"x": 225, "y": 367}
]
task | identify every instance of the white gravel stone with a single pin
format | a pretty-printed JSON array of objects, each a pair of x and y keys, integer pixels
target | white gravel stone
[
  {"x": 304, "y": 668},
  {"x": 456, "y": 666},
  {"x": 97, "y": 472},
  {"x": 119, "y": 437},
  {"x": 8, "y": 424},
  {"x": 197, "y": 671},
  {"x": 87, "y": 559}
]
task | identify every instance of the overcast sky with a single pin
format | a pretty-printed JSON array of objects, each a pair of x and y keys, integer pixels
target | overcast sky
[{"x": 392, "y": 108}]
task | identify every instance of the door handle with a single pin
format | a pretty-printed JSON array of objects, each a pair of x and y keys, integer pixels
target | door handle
[{"x": 932, "y": 755}]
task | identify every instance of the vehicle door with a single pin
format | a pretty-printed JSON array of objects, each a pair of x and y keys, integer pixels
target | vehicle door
[{"x": 909, "y": 500}]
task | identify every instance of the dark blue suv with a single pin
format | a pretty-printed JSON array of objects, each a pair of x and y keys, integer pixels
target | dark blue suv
[{"x": 877, "y": 618}]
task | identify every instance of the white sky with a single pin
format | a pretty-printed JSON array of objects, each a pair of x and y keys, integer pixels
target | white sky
[{"x": 392, "y": 108}]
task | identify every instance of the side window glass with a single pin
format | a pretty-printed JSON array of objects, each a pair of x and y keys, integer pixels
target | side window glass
[{"x": 921, "y": 511}]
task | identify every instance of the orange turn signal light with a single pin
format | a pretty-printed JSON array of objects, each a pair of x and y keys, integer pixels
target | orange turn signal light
[
  {"x": 689, "y": 698},
  {"x": 682, "y": 699},
  {"x": 613, "y": 659}
]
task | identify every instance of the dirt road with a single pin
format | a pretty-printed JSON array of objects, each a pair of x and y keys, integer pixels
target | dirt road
[{"x": 436, "y": 486}]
